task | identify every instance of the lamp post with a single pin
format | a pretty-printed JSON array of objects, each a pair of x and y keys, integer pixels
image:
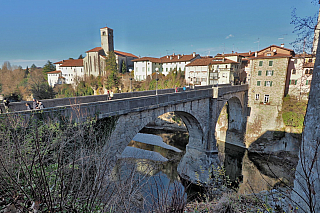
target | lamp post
[
  {"x": 130, "y": 84},
  {"x": 157, "y": 69}
]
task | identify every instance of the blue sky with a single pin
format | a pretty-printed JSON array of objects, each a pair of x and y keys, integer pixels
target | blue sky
[{"x": 36, "y": 31}]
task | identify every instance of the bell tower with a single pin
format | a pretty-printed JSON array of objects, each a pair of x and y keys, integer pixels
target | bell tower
[{"x": 107, "y": 39}]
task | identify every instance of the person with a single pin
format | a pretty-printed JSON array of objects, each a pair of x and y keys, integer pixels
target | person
[
  {"x": 28, "y": 106},
  {"x": 184, "y": 88},
  {"x": 6, "y": 105},
  {"x": 111, "y": 95},
  {"x": 176, "y": 89},
  {"x": 34, "y": 104},
  {"x": 108, "y": 95},
  {"x": 40, "y": 106}
]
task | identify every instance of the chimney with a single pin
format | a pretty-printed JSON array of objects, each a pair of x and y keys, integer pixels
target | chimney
[
  {"x": 194, "y": 54},
  {"x": 178, "y": 56},
  {"x": 282, "y": 45},
  {"x": 173, "y": 54},
  {"x": 256, "y": 54},
  {"x": 232, "y": 51},
  {"x": 170, "y": 57},
  {"x": 167, "y": 56},
  {"x": 250, "y": 52}
]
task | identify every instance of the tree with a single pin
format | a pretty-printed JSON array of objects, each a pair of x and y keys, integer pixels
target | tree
[
  {"x": 48, "y": 67},
  {"x": 123, "y": 67},
  {"x": 112, "y": 78},
  {"x": 33, "y": 67},
  {"x": 39, "y": 86},
  {"x": 304, "y": 27},
  {"x": 80, "y": 57}
]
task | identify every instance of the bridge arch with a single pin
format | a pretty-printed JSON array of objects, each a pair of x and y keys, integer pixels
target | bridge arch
[
  {"x": 127, "y": 126},
  {"x": 231, "y": 121}
]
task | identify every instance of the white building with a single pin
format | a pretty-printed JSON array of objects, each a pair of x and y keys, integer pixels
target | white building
[
  {"x": 67, "y": 72},
  {"x": 209, "y": 71},
  {"x": 177, "y": 62},
  {"x": 146, "y": 66}
]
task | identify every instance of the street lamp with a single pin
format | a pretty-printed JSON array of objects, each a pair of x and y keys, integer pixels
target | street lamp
[
  {"x": 157, "y": 69},
  {"x": 130, "y": 83}
]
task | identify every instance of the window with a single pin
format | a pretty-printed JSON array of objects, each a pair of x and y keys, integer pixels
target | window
[
  {"x": 310, "y": 60},
  {"x": 295, "y": 61},
  {"x": 308, "y": 82},
  {"x": 270, "y": 63},
  {"x": 259, "y": 73},
  {"x": 167, "y": 69},
  {"x": 203, "y": 79},
  {"x": 257, "y": 97},
  {"x": 293, "y": 71},
  {"x": 269, "y": 73},
  {"x": 306, "y": 72},
  {"x": 268, "y": 83},
  {"x": 260, "y": 63},
  {"x": 258, "y": 83},
  {"x": 311, "y": 71},
  {"x": 293, "y": 82},
  {"x": 268, "y": 54},
  {"x": 148, "y": 69},
  {"x": 266, "y": 99}
]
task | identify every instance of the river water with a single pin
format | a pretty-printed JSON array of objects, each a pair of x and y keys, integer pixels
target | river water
[{"x": 249, "y": 173}]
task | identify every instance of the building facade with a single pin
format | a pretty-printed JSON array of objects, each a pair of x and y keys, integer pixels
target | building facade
[
  {"x": 301, "y": 75},
  {"x": 146, "y": 66},
  {"x": 94, "y": 62},
  {"x": 67, "y": 72},
  {"x": 269, "y": 83}
]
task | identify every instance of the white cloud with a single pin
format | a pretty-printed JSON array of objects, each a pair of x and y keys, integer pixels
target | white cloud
[{"x": 229, "y": 36}]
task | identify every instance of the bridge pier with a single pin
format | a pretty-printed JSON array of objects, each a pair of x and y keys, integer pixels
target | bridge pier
[{"x": 196, "y": 165}]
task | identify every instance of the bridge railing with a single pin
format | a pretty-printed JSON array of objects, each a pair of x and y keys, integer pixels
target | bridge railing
[{"x": 48, "y": 103}]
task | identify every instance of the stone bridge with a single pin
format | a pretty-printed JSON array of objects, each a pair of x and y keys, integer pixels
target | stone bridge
[{"x": 199, "y": 109}]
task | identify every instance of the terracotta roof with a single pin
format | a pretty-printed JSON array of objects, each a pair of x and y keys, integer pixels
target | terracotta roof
[
  {"x": 177, "y": 58},
  {"x": 106, "y": 27},
  {"x": 155, "y": 60},
  {"x": 72, "y": 63},
  {"x": 308, "y": 65},
  {"x": 275, "y": 56},
  {"x": 277, "y": 47},
  {"x": 304, "y": 55},
  {"x": 247, "y": 54},
  {"x": 54, "y": 72},
  {"x": 125, "y": 54},
  {"x": 96, "y": 49},
  {"x": 209, "y": 61},
  {"x": 59, "y": 62}
]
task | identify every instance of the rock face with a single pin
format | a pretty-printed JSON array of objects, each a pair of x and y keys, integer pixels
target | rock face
[
  {"x": 168, "y": 121},
  {"x": 306, "y": 191}
]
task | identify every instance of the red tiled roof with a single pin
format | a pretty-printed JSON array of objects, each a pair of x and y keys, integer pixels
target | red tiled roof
[
  {"x": 72, "y": 63},
  {"x": 177, "y": 58},
  {"x": 155, "y": 60},
  {"x": 308, "y": 65},
  {"x": 59, "y": 62},
  {"x": 96, "y": 49},
  {"x": 106, "y": 27},
  {"x": 124, "y": 54},
  {"x": 247, "y": 54},
  {"x": 209, "y": 61},
  {"x": 54, "y": 72},
  {"x": 276, "y": 47},
  {"x": 274, "y": 56}
]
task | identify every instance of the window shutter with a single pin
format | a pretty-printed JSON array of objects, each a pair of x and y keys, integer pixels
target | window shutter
[
  {"x": 272, "y": 73},
  {"x": 258, "y": 83},
  {"x": 265, "y": 83},
  {"x": 295, "y": 82},
  {"x": 270, "y": 83},
  {"x": 267, "y": 73},
  {"x": 307, "y": 82},
  {"x": 289, "y": 82}
]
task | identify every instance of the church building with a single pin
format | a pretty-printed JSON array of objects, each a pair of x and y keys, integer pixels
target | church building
[{"x": 94, "y": 62}]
